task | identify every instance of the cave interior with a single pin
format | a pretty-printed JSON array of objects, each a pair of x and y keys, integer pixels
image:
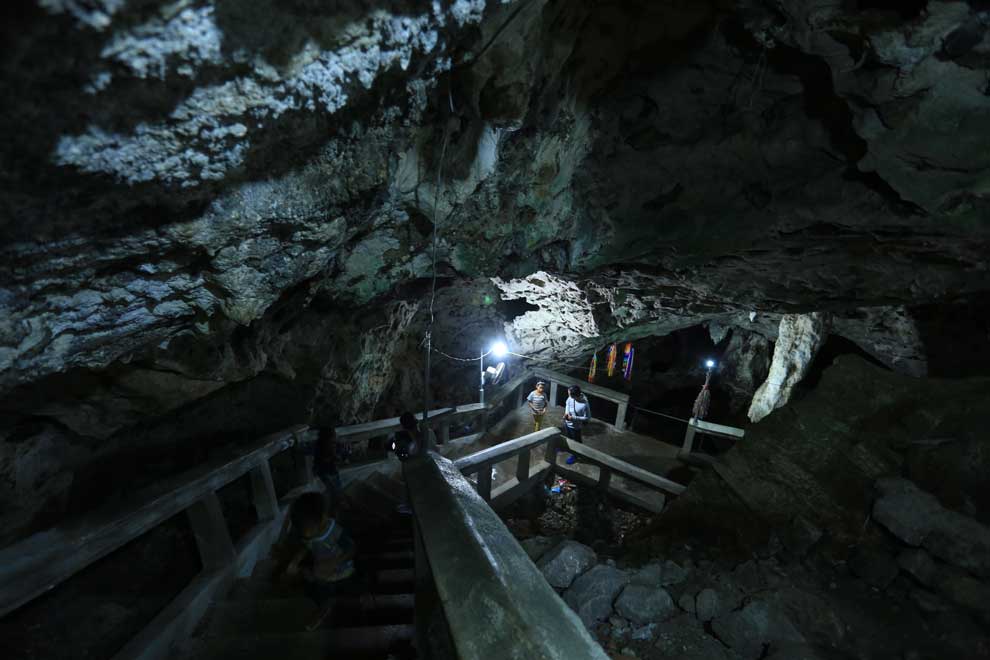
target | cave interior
[{"x": 222, "y": 219}]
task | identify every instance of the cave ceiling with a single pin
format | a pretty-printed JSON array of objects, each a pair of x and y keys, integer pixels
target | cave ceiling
[{"x": 174, "y": 173}]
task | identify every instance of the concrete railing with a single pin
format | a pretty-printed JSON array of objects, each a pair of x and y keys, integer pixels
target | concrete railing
[
  {"x": 494, "y": 600},
  {"x": 700, "y": 426},
  {"x": 41, "y": 562},
  {"x": 526, "y": 477},
  {"x": 619, "y": 398},
  {"x": 36, "y": 565},
  {"x": 607, "y": 465},
  {"x": 529, "y": 475}
]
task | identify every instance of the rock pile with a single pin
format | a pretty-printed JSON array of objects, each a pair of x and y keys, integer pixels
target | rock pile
[{"x": 792, "y": 600}]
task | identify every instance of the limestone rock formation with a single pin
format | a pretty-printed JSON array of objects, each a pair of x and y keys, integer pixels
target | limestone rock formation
[
  {"x": 799, "y": 338},
  {"x": 206, "y": 204}
]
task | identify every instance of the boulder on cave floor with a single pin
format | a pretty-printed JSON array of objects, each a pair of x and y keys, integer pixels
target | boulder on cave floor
[
  {"x": 642, "y": 605},
  {"x": 537, "y": 546},
  {"x": 759, "y": 623},
  {"x": 825, "y": 450},
  {"x": 565, "y": 562},
  {"x": 874, "y": 566},
  {"x": 592, "y": 594},
  {"x": 685, "y": 638},
  {"x": 660, "y": 574},
  {"x": 918, "y": 519}
]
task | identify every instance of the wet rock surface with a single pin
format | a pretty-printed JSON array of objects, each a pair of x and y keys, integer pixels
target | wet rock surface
[
  {"x": 792, "y": 581},
  {"x": 565, "y": 562},
  {"x": 200, "y": 196}
]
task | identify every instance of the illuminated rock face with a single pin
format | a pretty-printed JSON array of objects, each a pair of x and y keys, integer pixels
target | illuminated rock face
[
  {"x": 206, "y": 202},
  {"x": 798, "y": 340}
]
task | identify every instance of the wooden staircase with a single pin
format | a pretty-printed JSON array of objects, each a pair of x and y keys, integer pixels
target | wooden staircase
[{"x": 264, "y": 616}]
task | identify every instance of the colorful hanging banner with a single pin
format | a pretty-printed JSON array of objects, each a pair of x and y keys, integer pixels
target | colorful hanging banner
[
  {"x": 613, "y": 355},
  {"x": 627, "y": 361},
  {"x": 593, "y": 371}
]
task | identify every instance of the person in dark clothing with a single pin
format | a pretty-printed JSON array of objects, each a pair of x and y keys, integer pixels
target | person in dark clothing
[
  {"x": 325, "y": 462},
  {"x": 405, "y": 442},
  {"x": 577, "y": 412},
  {"x": 328, "y": 551}
]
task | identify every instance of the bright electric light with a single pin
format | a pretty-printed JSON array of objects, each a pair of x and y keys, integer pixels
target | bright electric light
[
  {"x": 710, "y": 364},
  {"x": 499, "y": 349}
]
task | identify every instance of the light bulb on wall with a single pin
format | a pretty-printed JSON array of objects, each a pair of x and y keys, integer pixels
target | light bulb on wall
[
  {"x": 499, "y": 349},
  {"x": 710, "y": 363}
]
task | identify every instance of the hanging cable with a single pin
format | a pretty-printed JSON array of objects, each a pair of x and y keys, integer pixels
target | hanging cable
[
  {"x": 428, "y": 338},
  {"x": 456, "y": 359},
  {"x": 660, "y": 414}
]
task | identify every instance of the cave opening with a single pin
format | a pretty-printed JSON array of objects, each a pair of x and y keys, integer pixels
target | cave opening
[{"x": 513, "y": 308}]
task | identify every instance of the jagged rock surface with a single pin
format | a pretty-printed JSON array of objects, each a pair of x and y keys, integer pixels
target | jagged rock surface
[
  {"x": 201, "y": 196},
  {"x": 798, "y": 340}
]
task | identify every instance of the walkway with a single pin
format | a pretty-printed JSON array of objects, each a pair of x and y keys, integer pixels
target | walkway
[{"x": 642, "y": 451}]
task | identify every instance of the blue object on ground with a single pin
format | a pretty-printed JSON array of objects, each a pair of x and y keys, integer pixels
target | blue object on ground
[{"x": 571, "y": 460}]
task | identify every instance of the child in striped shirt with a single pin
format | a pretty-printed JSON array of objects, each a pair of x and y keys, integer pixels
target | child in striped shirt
[{"x": 538, "y": 404}]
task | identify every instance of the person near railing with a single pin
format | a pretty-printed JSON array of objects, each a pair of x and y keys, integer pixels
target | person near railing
[
  {"x": 406, "y": 441},
  {"x": 325, "y": 455},
  {"x": 577, "y": 411},
  {"x": 330, "y": 550},
  {"x": 537, "y": 400}
]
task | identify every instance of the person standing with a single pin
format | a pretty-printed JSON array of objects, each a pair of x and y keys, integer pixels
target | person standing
[
  {"x": 325, "y": 463},
  {"x": 329, "y": 549},
  {"x": 537, "y": 400},
  {"x": 577, "y": 411}
]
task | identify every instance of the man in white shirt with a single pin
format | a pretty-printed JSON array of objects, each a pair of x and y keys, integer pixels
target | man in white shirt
[{"x": 577, "y": 411}]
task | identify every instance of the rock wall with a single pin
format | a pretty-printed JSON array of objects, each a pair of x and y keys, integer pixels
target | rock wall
[{"x": 204, "y": 199}]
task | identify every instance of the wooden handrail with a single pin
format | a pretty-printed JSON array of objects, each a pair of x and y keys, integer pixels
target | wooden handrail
[
  {"x": 40, "y": 562},
  {"x": 586, "y": 387},
  {"x": 355, "y": 432},
  {"x": 509, "y": 388},
  {"x": 482, "y": 574},
  {"x": 503, "y": 451},
  {"x": 717, "y": 429}
]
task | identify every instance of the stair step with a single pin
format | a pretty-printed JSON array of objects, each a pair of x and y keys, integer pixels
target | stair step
[
  {"x": 251, "y": 588},
  {"x": 357, "y": 643},
  {"x": 370, "y": 501},
  {"x": 394, "y": 580},
  {"x": 286, "y": 615},
  {"x": 393, "y": 487},
  {"x": 389, "y": 559},
  {"x": 380, "y": 580}
]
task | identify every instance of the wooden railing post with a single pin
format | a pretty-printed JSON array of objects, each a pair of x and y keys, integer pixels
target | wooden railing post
[
  {"x": 522, "y": 465},
  {"x": 688, "y": 438},
  {"x": 485, "y": 482},
  {"x": 551, "y": 454},
  {"x": 520, "y": 394},
  {"x": 210, "y": 529},
  {"x": 620, "y": 417},
  {"x": 263, "y": 492},
  {"x": 553, "y": 393},
  {"x": 604, "y": 477},
  {"x": 303, "y": 462},
  {"x": 445, "y": 433}
]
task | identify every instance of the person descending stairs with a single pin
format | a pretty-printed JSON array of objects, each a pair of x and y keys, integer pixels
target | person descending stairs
[{"x": 268, "y": 615}]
